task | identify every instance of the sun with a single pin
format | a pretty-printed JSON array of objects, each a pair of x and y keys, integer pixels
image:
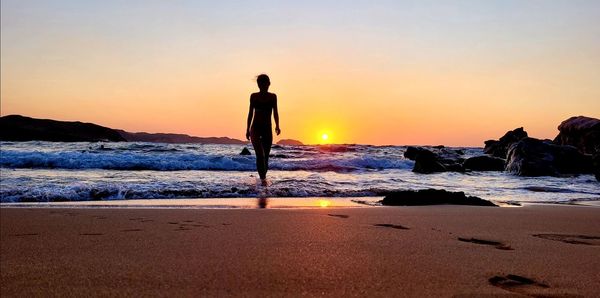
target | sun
[{"x": 324, "y": 137}]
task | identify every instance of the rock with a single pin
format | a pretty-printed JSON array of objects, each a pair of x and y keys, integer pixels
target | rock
[
  {"x": 21, "y": 128},
  {"x": 484, "y": 163},
  {"x": 533, "y": 157},
  {"x": 500, "y": 147},
  {"x": 442, "y": 153},
  {"x": 431, "y": 197},
  {"x": 428, "y": 161},
  {"x": 581, "y": 132},
  {"x": 412, "y": 152},
  {"x": 245, "y": 151},
  {"x": 290, "y": 142}
]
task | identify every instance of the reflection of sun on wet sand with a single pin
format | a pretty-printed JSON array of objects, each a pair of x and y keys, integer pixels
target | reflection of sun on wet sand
[{"x": 382, "y": 251}]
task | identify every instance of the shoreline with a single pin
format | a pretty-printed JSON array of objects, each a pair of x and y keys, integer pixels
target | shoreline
[
  {"x": 259, "y": 203},
  {"x": 394, "y": 251},
  {"x": 212, "y": 203}
]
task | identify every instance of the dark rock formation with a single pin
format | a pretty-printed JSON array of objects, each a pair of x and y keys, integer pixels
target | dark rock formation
[
  {"x": 500, "y": 147},
  {"x": 581, "y": 132},
  {"x": 426, "y": 162},
  {"x": 290, "y": 142},
  {"x": 484, "y": 163},
  {"x": 412, "y": 152},
  {"x": 438, "y": 159},
  {"x": 533, "y": 157},
  {"x": 175, "y": 138},
  {"x": 431, "y": 197},
  {"x": 245, "y": 151},
  {"x": 20, "y": 128}
]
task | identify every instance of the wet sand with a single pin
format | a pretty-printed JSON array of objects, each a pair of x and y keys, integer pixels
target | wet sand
[{"x": 382, "y": 251}]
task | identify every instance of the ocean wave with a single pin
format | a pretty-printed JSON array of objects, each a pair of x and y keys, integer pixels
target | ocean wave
[
  {"x": 176, "y": 161},
  {"x": 85, "y": 192}
]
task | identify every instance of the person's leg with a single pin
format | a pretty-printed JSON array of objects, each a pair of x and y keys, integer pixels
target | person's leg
[
  {"x": 260, "y": 154},
  {"x": 267, "y": 141}
]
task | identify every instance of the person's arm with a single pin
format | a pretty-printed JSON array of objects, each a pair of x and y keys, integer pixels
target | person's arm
[
  {"x": 250, "y": 114},
  {"x": 276, "y": 116}
]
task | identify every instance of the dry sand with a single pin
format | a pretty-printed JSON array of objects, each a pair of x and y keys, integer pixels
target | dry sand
[{"x": 385, "y": 251}]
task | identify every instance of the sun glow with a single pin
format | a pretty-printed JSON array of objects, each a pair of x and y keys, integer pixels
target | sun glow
[
  {"x": 324, "y": 203},
  {"x": 324, "y": 137}
]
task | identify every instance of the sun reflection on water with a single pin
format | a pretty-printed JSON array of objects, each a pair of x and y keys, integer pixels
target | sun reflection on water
[{"x": 324, "y": 203}]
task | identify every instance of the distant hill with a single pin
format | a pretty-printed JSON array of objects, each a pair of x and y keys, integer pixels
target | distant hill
[
  {"x": 21, "y": 128},
  {"x": 290, "y": 142},
  {"x": 175, "y": 138}
]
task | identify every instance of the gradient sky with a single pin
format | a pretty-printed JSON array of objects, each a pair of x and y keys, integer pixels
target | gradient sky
[{"x": 370, "y": 72}]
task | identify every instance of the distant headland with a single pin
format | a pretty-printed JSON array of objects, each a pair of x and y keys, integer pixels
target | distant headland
[{"x": 22, "y": 128}]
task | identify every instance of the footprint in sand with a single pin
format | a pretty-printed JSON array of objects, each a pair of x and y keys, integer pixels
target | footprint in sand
[
  {"x": 571, "y": 239},
  {"x": 518, "y": 284},
  {"x": 132, "y": 230},
  {"x": 23, "y": 234},
  {"x": 141, "y": 219},
  {"x": 398, "y": 227},
  {"x": 339, "y": 215},
  {"x": 498, "y": 245}
]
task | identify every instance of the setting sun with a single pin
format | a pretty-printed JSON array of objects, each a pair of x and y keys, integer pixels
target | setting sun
[{"x": 324, "y": 137}]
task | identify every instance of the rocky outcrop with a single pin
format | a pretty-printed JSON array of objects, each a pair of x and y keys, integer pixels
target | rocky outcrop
[
  {"x": 581, "y": 132},
  {"x": 534, "y": 157},
  {"x": 427, "y": 162},
  {"x": 500, "y": 147},
  {"x": 436, "y": 159},
  {"x": 21, "y": 128},
  {"x": 245, "y": 151},
  {"x": 431, "y": 197},
  {"x": 484, "y": 163},
  {"x": 290, "y": 142}
]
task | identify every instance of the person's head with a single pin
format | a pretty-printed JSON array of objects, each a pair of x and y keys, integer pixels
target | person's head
[{"x": 263, "y": 82}]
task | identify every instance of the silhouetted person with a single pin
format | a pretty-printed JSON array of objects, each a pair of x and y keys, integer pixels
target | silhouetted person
[{"x": 258, "y": 128}]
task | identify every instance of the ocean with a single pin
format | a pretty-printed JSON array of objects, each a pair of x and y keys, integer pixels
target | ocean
[{"x": 53, "y": 172}]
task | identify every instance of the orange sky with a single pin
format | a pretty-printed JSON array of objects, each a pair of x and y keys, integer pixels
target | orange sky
[{"x": 395, "y": 73}]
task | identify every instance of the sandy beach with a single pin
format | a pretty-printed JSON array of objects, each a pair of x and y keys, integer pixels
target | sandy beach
[{"x": 537, "y": 250}]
